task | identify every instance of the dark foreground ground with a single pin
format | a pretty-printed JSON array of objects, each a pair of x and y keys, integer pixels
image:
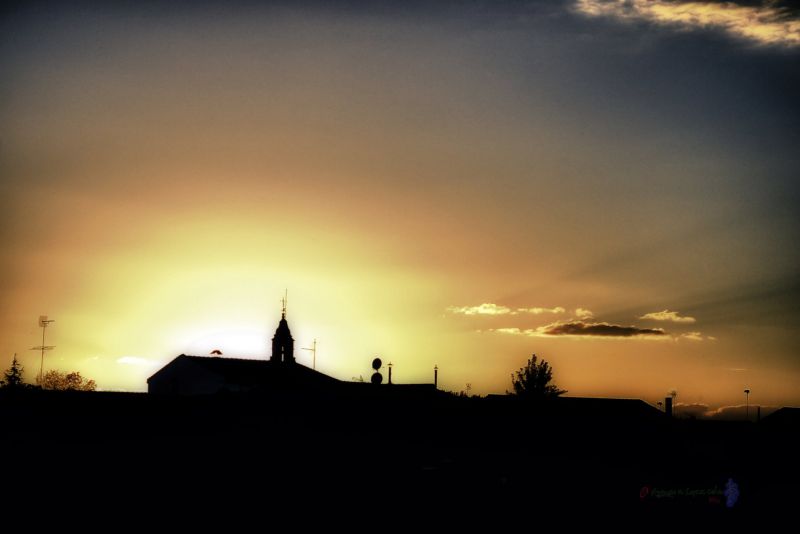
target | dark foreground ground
[{"x": 115, "y": 458}]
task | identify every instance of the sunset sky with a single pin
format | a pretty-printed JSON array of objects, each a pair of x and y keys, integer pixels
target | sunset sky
[{"x": 610, "y": 185}]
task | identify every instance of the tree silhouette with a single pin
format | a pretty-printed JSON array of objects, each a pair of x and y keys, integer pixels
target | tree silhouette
[
  {"x": 12, "y": 378},
  {"x": 61, "y": 381},
  {"x": 533, "y": 381}
]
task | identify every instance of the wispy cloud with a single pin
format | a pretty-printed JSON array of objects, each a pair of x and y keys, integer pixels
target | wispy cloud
[
  {"x": 696, "y": 336},
  {"x": 667, "y": 315},
  {"x": 134, "y": 360},
  {"x": 486, "y": 308},
  {"x": 539, "y": 311},
  {"x": 513, "y": 331},
  {"x": 765, "y": 24},
  {"x": 581, "y": 329},
  {"x": 583, "y": 313}
]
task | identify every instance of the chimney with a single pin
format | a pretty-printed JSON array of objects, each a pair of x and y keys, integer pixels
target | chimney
[{"x": 668, "y": 406}]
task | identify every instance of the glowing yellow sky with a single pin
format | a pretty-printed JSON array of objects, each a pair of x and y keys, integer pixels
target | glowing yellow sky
[{"x": 165, "y": 178}]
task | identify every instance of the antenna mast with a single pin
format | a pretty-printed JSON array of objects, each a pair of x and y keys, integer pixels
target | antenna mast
[
  {"x": 43, "y": 323},
  {"x": 284, "y": 301},
  {"x": 313, "y": 350}
]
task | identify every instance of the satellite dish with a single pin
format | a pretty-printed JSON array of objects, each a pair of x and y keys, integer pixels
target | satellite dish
[
  {"x": 377, "y": 378},
  {"x": 376, "y": 364}
]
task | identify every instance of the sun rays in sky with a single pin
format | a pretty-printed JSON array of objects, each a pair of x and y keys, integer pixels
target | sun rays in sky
[{"x": 611, "y": 185}]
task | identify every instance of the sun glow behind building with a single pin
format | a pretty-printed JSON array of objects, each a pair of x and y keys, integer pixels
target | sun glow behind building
[{"x": 590, "y": 181}]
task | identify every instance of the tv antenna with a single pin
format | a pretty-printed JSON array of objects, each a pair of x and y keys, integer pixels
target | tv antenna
[
  {"x": 43, "y": 323},
  {"x": 313, "y": 350}
]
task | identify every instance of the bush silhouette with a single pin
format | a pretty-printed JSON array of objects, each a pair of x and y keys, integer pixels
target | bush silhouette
[{"x": 60, "y": 381}]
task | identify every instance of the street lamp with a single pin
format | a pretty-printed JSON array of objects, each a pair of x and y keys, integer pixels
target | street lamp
[{"x": 747, "y": 403}]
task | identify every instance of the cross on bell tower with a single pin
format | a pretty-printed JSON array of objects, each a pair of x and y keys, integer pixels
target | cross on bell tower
[{"x": 282, "y": 342}]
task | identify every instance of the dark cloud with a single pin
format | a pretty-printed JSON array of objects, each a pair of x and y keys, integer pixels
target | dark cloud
[{"x": 581, "y": 328}]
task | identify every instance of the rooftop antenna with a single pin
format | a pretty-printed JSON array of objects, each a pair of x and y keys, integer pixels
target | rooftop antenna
[
  {"x": 43, "y": 323},
  {"x": 313, "y": 350}
]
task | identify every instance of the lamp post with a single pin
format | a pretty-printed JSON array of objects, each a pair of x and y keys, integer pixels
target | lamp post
[{"x": 747, "y": 403}]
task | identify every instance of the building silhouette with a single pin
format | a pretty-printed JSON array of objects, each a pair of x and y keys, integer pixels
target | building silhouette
[
  {"x": 208, "y": 375},
  {"x": 283, "y": 342},
  {"x": 202, "y": 375}
]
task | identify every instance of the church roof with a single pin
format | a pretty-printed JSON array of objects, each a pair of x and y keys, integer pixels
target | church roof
[{"x": 253, "y": 372}]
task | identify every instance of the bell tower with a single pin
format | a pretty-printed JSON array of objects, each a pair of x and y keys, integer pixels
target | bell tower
[{"x": 282, "y": 342}]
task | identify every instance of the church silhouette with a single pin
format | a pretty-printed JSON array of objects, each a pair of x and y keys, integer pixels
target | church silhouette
[
  {"x": 203, "y": 375},
  {"x": 208, "y": 375}
]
